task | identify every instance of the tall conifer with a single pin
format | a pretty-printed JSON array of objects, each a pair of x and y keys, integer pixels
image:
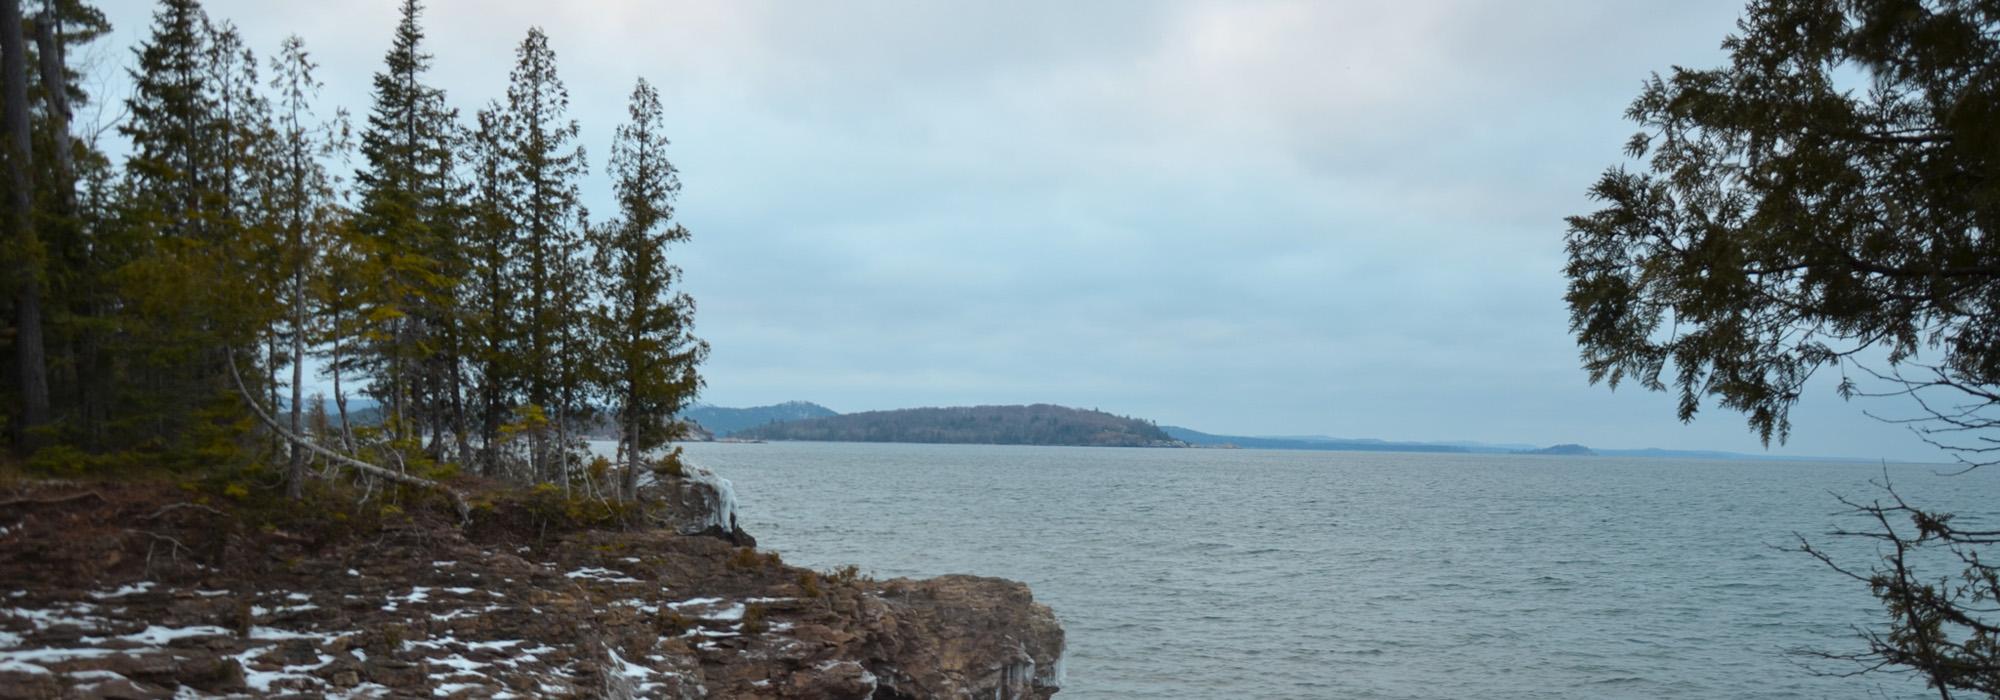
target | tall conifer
[
  {"x": 544, "y": 165},
  {"x": 647, "y": 352},
  {"x": 407, "y": 235}
]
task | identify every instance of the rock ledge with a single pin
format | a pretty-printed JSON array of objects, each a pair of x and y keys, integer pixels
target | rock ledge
[{"x": 122, "y": 593}]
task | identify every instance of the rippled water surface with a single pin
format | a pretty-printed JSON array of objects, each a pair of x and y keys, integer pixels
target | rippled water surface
[{"x": 1274, "y": 574}]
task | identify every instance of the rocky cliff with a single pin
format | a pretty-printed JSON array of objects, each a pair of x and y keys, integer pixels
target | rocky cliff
[{"x": 139, "y": 592}]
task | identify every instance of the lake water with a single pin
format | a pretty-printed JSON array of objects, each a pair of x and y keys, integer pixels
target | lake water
[{"x": 1278, "y": 574}]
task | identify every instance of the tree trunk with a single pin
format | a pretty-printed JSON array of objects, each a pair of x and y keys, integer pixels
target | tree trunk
[
  {"x": 29, "y": 364},
  {"x": 459, "y": 428},
  {"x": 272, "y": 383},
  {"x": 84, "y": 374},
  {"x": 295, "y": 473},
  {"x": 48, "y": 43},
  {"x": 629, "y": 483},
  {"x": 340, "y": 400}
]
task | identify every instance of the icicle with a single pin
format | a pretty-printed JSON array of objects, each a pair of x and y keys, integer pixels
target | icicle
[
  {"x": 1016, "y": 679},
  {"x": 1056, "y": 674}
]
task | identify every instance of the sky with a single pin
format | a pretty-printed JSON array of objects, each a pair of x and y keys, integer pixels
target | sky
[{"x": 1335, "y": 218}]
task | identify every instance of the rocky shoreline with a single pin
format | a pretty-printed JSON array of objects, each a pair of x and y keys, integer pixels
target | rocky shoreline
[{"x": 131, "y": 591}]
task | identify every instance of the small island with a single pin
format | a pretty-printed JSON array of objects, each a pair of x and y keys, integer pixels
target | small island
[{"x": 1568, "y": 449}]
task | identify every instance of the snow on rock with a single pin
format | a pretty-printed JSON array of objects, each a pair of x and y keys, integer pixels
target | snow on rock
[
  {"x": 645, "y": 613},
  {"x": 602, "y": 574},
  {"x": 156, "y": 635},
  {"x": 140, "y": 587},
  {"x": 694, "y": 602},
  {"x": 733, "y": 613}
]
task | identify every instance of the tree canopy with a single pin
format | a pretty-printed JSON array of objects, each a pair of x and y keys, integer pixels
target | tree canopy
[
  {"x": 1827, "y": 199},
  {"x": 1833, "y": 189}
]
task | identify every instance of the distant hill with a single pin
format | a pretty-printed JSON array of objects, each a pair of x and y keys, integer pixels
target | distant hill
[
  {"x": 725, "y": 422},
  {"x": 1039, "y": 424},
  {"x": 1198, "y": 438},
  {"x": 1565, "y": 449}
]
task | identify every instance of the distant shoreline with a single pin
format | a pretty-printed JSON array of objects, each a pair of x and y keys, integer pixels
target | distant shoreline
[
  {"x": 1049, "y": 425},
  {"x": 1662, "y": 455}
]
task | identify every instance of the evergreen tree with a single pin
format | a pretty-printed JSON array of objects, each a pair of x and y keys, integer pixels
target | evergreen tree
[
  {"x": 192, "y": 283},
  {"x": 407, "y": 231},
  {"x": 647, "y": 353},
  {"x": 171, "y": 110},
  {"x": 168, "y": 208},
  {"x": 544, "y": 167},
  {"x": 492, "y": 294}
]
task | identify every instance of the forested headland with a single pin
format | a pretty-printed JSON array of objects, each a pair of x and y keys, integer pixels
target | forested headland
[
  {"x": 1039, "y": 424},
  {"x": 725, "y": 421},
  {"x": 167, "y": 312}
]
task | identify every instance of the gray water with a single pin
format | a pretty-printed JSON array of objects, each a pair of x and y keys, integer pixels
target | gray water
[{"x": 1275, "y": 574}]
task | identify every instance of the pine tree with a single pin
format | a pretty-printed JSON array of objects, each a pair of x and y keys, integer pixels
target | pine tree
[
  {"x": 647, "y": 354},
  {"x": 407, "y": 227},
  {"x": 544, "y": 168},
  {"x": 192, "y": 291},
  {"x": 492, "y": 293},
  {"x": 170, "y": 118},
  {"x": 167, "y": 207}
]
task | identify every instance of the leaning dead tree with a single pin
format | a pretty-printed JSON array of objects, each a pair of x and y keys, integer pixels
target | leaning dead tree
[{"x": 457, "y": 500}]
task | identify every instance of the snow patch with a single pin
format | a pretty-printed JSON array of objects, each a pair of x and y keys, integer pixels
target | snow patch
[
  {"x": 602, "y": 574},
  {"x": 161, "y": 636},
  {"x": 640, "y": 676},
  {"x": 732, "y": 613},
  {"x": 140, "y": 587},
  {"x": 272, "y": 633},
  {"x": 417, "y": 594}
]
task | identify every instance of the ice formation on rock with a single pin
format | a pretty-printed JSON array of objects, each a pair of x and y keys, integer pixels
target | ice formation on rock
[{"x": 720, "y": 496}]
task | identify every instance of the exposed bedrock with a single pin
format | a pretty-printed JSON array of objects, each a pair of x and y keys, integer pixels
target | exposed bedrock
[{"x": 126, "y": 594}]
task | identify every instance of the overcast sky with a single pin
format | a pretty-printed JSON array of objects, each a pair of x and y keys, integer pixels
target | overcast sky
[{"x": 1339, "y": 218}]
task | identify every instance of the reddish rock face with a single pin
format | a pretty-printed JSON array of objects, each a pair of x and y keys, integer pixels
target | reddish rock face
[{"x": 423, "y": 610}]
